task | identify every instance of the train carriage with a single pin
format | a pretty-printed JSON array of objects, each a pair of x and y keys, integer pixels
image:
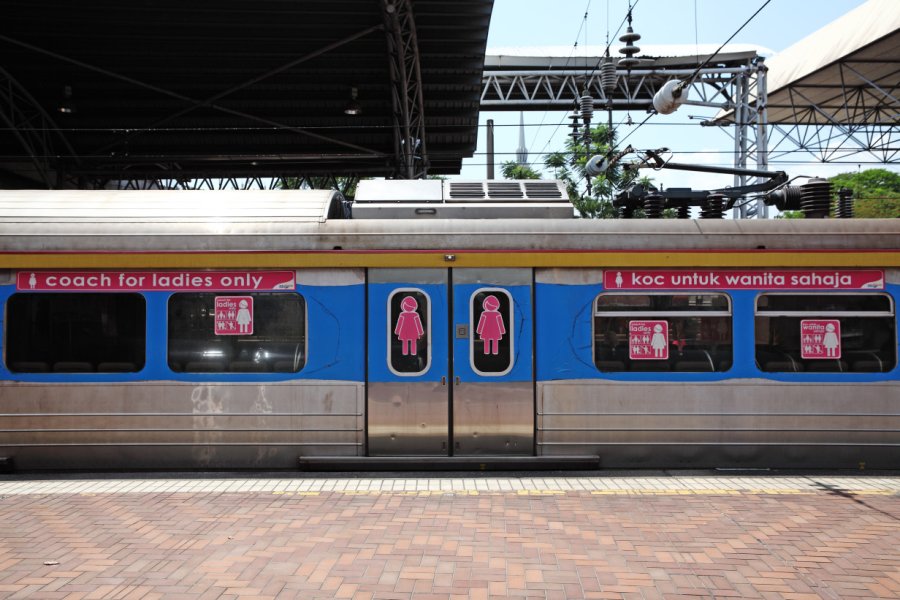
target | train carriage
[{"x": 444, "y": 324}]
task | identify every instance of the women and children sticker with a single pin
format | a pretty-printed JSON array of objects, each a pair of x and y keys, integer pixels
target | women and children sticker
[
  {"x": 234, "y": 315},
  {"x": 820, "y": 338},
  {"x": 648, "y": 340}
]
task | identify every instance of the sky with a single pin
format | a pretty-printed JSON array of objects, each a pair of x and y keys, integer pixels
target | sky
[{"x": 524, "y": 23}]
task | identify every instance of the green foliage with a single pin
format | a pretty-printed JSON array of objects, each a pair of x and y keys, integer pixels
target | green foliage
[
  {"x": 877, "y": 192},
  {"x": 513, "y": 170},
  {"x": 791, "y": 214},
  {"x": 569, "y": 166}
]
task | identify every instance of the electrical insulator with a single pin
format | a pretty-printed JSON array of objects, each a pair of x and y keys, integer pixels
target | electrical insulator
[
  {"x": 587, "y": 107},
  {"x": 629, "y": 50},
  {"x": 815, "y": 198},
  {"x": 608, "y": 77},
  {"x": 844, "y": 209}
]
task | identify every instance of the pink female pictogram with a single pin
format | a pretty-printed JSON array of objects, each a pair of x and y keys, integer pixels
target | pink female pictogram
[
  {"x": 490, "y": 325},
  {"x": 409, "y": 326}
]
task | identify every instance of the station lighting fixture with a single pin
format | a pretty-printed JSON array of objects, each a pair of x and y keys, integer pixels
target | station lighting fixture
[
  {"x": 66, "y": 105},
  {"x": 352, "y": 107}
]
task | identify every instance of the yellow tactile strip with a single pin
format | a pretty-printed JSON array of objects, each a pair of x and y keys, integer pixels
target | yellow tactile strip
[{"x": 466, "y": 485}]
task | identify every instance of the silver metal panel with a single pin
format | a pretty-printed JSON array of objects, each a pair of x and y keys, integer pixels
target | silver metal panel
[
  {"x": 470, "y": 210},
  {"x": 176, "y": 206},
  {"x": 408, "y": 419},
  {"x": 330, "y": 277},
  {"x": 493, "y": 277},
  {"x": 411, "y": 276},
  {"x": 569, "y": 276},
  {"x": 406, "y": 190},
  {"x": 179, "y": 425},
  {"x": 22, "y": 229},
  {"x": 734, "y": 421},
  {"x": 493, "y": 418}
]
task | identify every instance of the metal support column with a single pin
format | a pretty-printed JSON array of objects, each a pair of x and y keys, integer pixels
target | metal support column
[{"x": 406, "y": 95}]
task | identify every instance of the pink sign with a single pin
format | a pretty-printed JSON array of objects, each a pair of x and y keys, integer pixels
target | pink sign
[
  {"x": 409, "y": 326},
  {"x": 490, "y": 325},
  {"x": 820, "y": 338},
  {"x": 179, "y": 281},
  {"x": 743, "y": 280},
  {"x": 648, "y": 340},
  {"x": 234, "y": 315}
]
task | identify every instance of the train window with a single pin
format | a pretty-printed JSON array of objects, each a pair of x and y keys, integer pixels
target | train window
[
  {"x": 491, "y": 332},
  {"x": 75, "y": 333},
  {"x": 255, "y": 332},
  {"x": 825, "y": 333},
  {"x": 409, "y": 332},
  {"x": 662, "y": 332}
]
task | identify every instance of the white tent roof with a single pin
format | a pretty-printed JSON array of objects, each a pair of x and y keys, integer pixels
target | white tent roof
[{"x": 857, "y": 50}]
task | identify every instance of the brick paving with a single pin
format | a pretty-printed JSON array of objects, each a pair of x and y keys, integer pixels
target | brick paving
[{"x": 482, "y": 538}]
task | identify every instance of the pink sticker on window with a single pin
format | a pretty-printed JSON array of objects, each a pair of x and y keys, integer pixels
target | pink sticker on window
[
  {"x": 820, "y": 338},
  {"x": 234, "y": 315},
  {"x": 648, "y": 340},
  {"x": 409, "y": 326}
]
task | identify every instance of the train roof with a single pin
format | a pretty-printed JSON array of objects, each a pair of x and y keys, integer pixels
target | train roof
[{"x": 190, "y": 221}]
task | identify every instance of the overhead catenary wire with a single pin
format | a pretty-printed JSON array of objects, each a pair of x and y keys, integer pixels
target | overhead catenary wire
[{"x": 597, "y": 66}]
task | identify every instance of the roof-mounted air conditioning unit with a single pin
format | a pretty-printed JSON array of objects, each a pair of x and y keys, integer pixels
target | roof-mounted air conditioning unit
[{"x": 436, "y": 199}]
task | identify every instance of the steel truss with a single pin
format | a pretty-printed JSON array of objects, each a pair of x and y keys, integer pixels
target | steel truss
[
  {"x": 406, "y": 89},
  {"x": 35, "y": 131},
  {"x": 858, "y": 122},
  {"x": 732, "y": 86},
  {"x": 344, "y": 183}
]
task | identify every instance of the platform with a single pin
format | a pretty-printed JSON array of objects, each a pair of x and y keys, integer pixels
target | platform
[{"x": 453, "y": 536}]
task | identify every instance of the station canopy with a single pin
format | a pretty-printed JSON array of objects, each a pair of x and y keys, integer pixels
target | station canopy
[
  {"x": 228, "y": 88},
  {"x": 846, "y": 73}
]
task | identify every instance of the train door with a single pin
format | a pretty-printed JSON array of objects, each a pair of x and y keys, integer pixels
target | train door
[
  {"x": 450, "y": 362},
  {"x": 493, "y": 381}
]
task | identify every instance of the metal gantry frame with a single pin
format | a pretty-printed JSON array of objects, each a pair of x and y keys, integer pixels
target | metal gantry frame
[
  {"x": 733, "y": 86},
  {"x": 861, "y": 120}
]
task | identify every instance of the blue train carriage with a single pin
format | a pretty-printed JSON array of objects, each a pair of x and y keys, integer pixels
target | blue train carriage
[
  {"x": 124, "y": 349},
  {"x": 444, "y": 322},
  {"x": 718, "y": 366}
]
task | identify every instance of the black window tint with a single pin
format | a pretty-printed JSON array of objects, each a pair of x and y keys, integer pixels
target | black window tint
[
  {"x": 277, "y": 344},
  {"x": 868, "y": 343},
  {"x": 75, "y": 333},
  {"x": 823, "y": 302},
  {"x": 409, "y": 331},
  {"x": 491, "y": 331},
  {"x": 698, "y": 341},
  {"x": 660, "y": 302}
]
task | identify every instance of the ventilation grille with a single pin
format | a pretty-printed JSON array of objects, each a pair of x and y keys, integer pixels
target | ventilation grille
[
  {"x": 466, "y": 190},
  {"x": 543, "y": 189},
  {"x": 504, "y": 190}
]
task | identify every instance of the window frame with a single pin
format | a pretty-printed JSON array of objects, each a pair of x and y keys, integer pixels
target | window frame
[
  {"x": 390, "y": 332},
  {"x": 824, "y": 314},
  {"x": 510, "y": 330},
  {"x": 305, "y": 331},
  {"x": 656, "y": 315},
  {"x": 143, "y": 330}
]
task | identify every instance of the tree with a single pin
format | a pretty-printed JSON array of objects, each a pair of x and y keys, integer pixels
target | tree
[
  {"x": 568, "y": 165},
  {"x": 876, "y": 192},
  {"x": 513, "y": 170}
]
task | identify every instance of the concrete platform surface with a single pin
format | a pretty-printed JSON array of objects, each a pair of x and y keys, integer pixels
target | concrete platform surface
[{"x": 640, "y": 537}]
